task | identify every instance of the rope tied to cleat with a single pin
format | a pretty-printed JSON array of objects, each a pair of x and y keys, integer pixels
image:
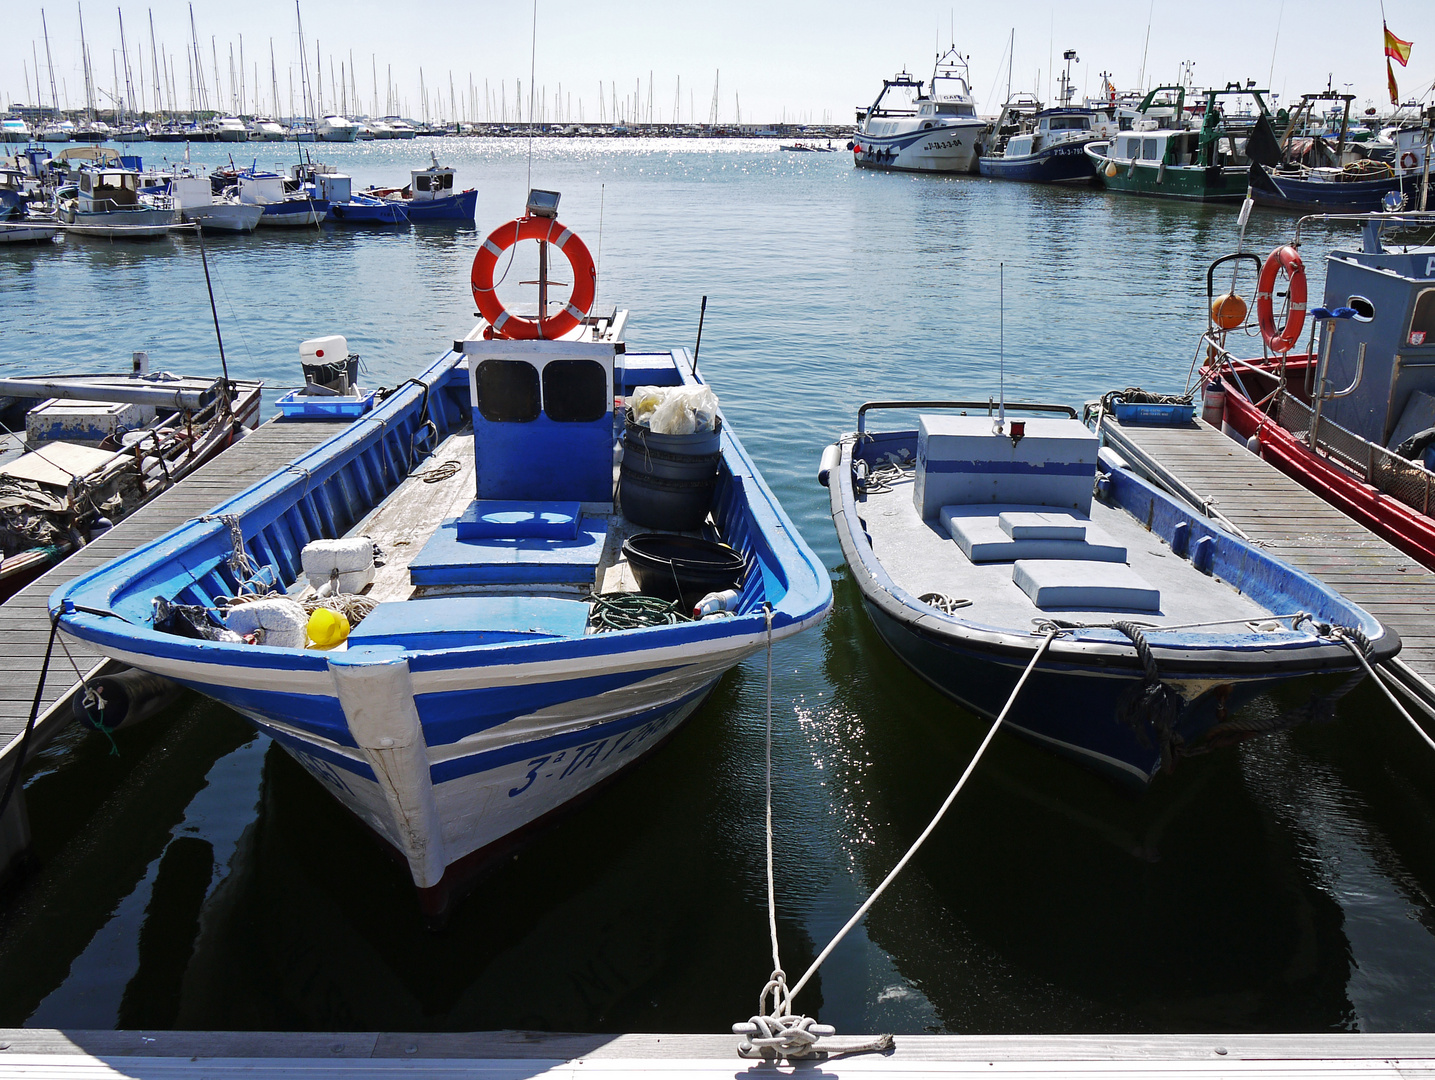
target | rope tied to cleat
[{"x": 776, "y": 1032}]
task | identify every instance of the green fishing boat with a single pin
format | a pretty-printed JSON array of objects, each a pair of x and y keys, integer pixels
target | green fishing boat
[{"x": 1165, "y": 156}]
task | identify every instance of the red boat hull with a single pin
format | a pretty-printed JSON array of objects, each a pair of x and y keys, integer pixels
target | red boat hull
[{"x": 1390, "y": 519}]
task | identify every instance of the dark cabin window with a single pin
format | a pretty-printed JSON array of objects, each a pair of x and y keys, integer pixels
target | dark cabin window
[
  {"x": 1424, "y": 320},
  {"x": 448, "y": 181},
  {"x": 421, "y": 183},
  {"x": 508, "y": 391},
  {"x": 575, "y": 391},
  {"x": 1363, "y": 308}
]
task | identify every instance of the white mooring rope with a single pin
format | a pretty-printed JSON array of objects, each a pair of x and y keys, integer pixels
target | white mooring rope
[
  {"x": 1350, "y": 643},
  {"x": 777, "y": 1032}
]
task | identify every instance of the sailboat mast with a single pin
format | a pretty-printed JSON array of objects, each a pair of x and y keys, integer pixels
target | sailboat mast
[
  {"x": 54, "y": 93},
  {"x": 1010, "y": 59}
]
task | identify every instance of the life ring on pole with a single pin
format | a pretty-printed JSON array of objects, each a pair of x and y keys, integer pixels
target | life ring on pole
[
  {"x": 1408, "y": 160},
  {"x": 546, "y": 230},
  {"x": 1288, "y": 259}
]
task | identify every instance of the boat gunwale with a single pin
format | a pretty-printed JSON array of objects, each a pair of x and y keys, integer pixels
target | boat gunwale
[
  {"x": 1077, "y": 648},
  {"x": 806, "y": 599}
]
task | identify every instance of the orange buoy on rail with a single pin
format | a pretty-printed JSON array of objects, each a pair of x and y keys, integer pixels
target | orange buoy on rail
[
  {"x": 548, "y": 327},
  {"x": 1281, "y": 339}
]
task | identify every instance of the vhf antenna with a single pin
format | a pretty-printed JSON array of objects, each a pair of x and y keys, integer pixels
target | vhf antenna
[{"x": 1001, "y": 348}]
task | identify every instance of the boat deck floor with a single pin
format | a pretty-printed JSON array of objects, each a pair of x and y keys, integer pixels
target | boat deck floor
[
  {"x": 404, "y": 522},
  {"x": 921, "y": 557}
]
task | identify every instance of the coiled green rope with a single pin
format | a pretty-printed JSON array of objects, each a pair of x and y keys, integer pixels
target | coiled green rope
[{"x": 629, "y": 611}]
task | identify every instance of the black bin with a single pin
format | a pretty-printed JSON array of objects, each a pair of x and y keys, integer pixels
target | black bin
[{"x": 667, "y": 481}]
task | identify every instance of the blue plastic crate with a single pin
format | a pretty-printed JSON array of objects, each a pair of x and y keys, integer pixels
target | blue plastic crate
[
  {"x": 306, "y": 407},
  {"x": 1154, "y": 414}
]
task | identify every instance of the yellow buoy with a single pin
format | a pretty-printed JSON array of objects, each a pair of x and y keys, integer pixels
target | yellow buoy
[
  {"x": 1111, "y": 168},
  {"x": 1228, "y": 311},
  {"x": 327, "y": 628}
]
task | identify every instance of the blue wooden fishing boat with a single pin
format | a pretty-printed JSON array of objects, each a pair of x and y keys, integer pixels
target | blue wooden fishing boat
[
  {"x": 973, "y": 536},
  {"x": 1049, "y": 148},
  {"x": 1361, "y": 190},
  {"x": 489, "y": 685},
  {"x": 362, "y": 209},
  {"x": 430, "y": 196}
]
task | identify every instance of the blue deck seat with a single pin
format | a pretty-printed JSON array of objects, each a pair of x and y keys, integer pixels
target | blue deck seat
[
  {"x": 505, "y": 519},
  {"x": 450, "y": 559},
  {"x": 457, "y": 622}
]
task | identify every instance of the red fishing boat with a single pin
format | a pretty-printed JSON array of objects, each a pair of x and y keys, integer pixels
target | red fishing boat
[{"x": 1351, "y": 416}]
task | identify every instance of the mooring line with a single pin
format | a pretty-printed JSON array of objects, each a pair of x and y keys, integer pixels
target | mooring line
[{"x": 780, "y": 1033}]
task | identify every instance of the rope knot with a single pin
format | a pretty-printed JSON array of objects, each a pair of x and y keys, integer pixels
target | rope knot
[{"x": 775, "y": 1032}]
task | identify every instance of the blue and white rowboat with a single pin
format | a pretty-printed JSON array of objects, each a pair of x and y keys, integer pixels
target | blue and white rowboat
[{"x": 476, "y": 700}]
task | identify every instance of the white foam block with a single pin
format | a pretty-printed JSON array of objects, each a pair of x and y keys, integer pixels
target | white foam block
[
  {"x": 978, "y": 532},
  {"x": 1041, "y": 525},
  {"x": 1085, "y": 586}
]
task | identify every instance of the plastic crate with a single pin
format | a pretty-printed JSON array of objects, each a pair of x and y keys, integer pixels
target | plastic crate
[
  {"x": 312, "y": 407},
  {"x": 1154, "y": 414}
]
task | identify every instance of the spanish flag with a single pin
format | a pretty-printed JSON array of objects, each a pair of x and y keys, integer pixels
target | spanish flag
[{"x": 1396, "y": 49}]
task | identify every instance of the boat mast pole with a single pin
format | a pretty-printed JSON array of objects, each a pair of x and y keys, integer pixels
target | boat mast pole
[{"x": 1010, "y": 58}]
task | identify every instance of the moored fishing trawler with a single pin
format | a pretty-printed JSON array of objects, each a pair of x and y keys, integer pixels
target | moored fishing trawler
[
  {"x": 107, "y": 202},
  {"x": 1164, "y": 157},
  {"x": 1351, "y": 415},
  {"x": 977, "y": 542},
  {"x": 1047, "y": 148},
  {"x": 938, "y": 132},
  {"x": 519, "y": 646}
]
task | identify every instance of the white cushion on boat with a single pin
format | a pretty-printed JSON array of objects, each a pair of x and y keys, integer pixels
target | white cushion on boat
[
  {"x": 1085, "y": 586},
  {"x": 1042, "y": 525},
  {"x": 351, "y": 560},
  {"x": 978, "y": 531}
]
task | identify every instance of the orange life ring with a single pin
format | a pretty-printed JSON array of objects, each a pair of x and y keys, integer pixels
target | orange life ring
[
  {"x": 1288, "y": 259},
  {"x": 585, "y": 280},
  {"x": 1408, "y": 160}
]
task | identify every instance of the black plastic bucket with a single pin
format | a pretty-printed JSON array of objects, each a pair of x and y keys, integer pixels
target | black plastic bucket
[
  {"x": 682, "y": 568},
  {"x": 667, "y": 481}
]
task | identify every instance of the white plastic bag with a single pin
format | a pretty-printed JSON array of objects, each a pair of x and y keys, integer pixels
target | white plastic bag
[
  {"x": 644, "y": 400},
  {"x": 685, "y": 409}
]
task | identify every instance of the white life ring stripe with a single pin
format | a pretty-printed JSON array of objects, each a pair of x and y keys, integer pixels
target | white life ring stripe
[
  {"x": 493, "y": 248},
  {"x": 498, "y": 322},
  {"x": 575, "y": 312},
  {"x": 562, "y": 239}
]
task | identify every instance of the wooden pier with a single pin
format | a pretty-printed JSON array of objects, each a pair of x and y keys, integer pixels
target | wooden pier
[
  {"x": 501, "y": 1055},
  {"x": 25, "y": 621},
  {"x": 1220, "y": 476}
]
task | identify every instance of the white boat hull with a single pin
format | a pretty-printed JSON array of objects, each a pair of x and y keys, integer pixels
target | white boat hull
[
  {"x": 120, "y": 224},
  {"x": 949, "y": 148},
  {"x": 26, "y": 233},
  {"x": 233, "y": 217}
]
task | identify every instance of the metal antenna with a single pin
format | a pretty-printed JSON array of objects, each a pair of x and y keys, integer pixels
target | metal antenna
[{"x": 1001, "y": 347}]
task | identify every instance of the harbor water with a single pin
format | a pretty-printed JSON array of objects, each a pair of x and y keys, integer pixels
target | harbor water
[{"x": 189, "y": 874}]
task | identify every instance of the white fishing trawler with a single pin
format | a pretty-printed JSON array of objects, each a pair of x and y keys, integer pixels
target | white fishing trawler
[{"x": 937, "y": 132}]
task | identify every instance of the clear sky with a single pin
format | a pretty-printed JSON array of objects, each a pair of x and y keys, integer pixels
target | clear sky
[{"x": 801, "y": 59}]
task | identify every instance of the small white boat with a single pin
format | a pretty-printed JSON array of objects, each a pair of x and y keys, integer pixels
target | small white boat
[
  {"x": 194, "y": 195},
  {"x": 63, "y": 131},
  {"x": 13, "y": 129},
  {"x": 336, "y": 129},
  {"x": 106, "y": 202},
  {"x": 398, "y": 128},
  {"x": 938, "y": 132}
]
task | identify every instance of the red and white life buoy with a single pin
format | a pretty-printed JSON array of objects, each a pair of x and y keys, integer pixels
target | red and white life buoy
[
  {"x": 1283, "y": 339},
  {"x": 1408, "y": 160},
  {"x": 585, "y": 280}
]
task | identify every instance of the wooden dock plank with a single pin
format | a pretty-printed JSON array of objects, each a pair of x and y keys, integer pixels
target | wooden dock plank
[
  {"x": 24, "y": 618},
  {"x": 1298, "y": 526}
]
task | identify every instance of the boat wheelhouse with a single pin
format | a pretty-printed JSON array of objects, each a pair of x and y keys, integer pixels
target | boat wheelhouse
[{"x": 106, "y": 202}]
